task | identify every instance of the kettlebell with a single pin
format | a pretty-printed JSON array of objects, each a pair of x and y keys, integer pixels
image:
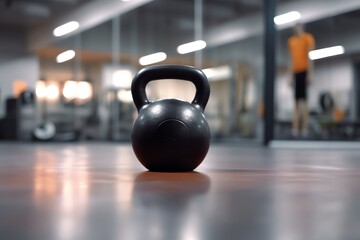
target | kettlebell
[{"x": 170, "y": 135}]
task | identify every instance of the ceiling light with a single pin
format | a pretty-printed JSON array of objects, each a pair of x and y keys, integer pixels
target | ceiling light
[
  {"x": 152, "y": 58},
  {"x": 52, "y": 92},
  {"x": 69, "y": 90},
  {"x": 84, "y": 90},
  {"x": 66, "y": 28},
  {"x": 287, "y": 18},
  {"x": 40, "y": 89},
  {"x": 326, "y": 52},
  {"x": 191, "y": 47},
  {"x": 81, "y": 90},
  {"x": 65, "y": 56}
]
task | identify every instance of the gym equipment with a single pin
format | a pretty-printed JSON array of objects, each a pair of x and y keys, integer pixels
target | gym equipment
[
  {"x": 19, "y": 117},
  {"x": 27, "y": 98},
  {"x": 45, "y": 131},
  {"x": 11, "y": 107},
  {"x": 170, "y": 135},
  {"x": 327, "y": 102},
  {"x": 56, "y": 126}
]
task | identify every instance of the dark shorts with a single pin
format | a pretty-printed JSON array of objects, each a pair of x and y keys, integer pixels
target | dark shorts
[{"x": 300, "y": 86}]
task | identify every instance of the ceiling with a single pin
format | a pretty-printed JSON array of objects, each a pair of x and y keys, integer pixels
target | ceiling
[
  {"x": 28, "y": 13},
  {"x": 224, "y": 21}
]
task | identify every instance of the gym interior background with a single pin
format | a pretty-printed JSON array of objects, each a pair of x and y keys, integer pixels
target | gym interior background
[
  {"x": 89, "y": 94},
  {"x": 70, "y": 88}
]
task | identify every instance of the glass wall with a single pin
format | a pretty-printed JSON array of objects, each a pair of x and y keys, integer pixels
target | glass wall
[
  {"x": 109, "y": 54},
  {"x": 87, "y": 96},
  {"x": 316, "y": 93}
]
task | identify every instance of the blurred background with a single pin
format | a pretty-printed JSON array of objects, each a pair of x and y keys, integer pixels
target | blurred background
[{"x": 66, "y": 66}]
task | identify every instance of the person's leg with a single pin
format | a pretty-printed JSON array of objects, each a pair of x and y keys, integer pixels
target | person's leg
[
  {"x": 296, "y": 114},
  {"x": 296, "y": 119},
  {"x": 305, "y": 110},
  {"x": 304, "y": 116},
  {"x": 302, "y": 103}
]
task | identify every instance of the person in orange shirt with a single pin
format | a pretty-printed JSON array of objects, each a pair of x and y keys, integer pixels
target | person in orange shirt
[{"x": 301, "y": 69}]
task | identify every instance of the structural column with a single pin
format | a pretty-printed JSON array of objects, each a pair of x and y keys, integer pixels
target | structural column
[
  {"x": 269, "y": 71},
  {"x": 198, "y": 20}
]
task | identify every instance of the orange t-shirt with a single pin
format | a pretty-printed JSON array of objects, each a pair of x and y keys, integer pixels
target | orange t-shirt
[{"x": 299, "y": 47}]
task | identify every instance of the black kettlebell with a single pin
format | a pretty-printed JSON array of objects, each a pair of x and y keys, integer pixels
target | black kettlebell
[{"x": 170, "y": 135}]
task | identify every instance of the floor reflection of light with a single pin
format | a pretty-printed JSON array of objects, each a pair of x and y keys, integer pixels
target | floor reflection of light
[
  {"x": 125, "y": 182},
  {"x": 65, "y": 177},
  {"x": 124, "y": 196},
  {"x": 191, "y": 224},
  {"x": 45, "y": 178},
  {"x": 190, "y": 232},
  {"x": 73, "y": 195},
  {"x": 155, "y": 230},
  {"x": 122, "y": 162},
  {"x": 124, "y": 186}
]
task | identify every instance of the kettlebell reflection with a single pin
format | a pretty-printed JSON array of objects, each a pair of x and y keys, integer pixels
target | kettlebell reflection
[
  {"x": 180, "y": 185},
  {"x": 164, "y": 202}
]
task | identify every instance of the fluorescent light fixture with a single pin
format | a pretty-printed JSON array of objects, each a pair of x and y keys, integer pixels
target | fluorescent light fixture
[
  {"x": 84, "y": 90},
  {"x": 122, "y": 78},
  {"x": 40, "y": 89},
  {"x": 81, "y": 90},
  {"x": 152, "y": 58},
  {"x": 69, "y": 90},
  {"x": 52, "y": 92},
  {"x": 287, "y": 18},
  {"x": 66, "y": 28},
  {"x": 326, "y": 52},
  {"x": 48, "y": 91},
  {"x": 191, "y": 47},
  {"x": 65, "y": 56},
  {"x": 218, "y": 73}
]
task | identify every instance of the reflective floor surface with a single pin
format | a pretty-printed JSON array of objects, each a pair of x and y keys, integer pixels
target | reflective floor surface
[{"x": 100, "y": 191}]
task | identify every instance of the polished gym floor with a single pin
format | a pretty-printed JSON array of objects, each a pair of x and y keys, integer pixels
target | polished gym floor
[{"x": 100, "y": 191}]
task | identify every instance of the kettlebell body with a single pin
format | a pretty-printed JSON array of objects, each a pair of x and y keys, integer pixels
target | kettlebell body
[{"x": 169, "y": 134}]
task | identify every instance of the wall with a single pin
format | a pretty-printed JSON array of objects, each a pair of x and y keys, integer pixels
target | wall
[
  {"x": 334, "y": 75},
  {"x": 25, "y": 68},
  {"x": 12, "y": 43}
]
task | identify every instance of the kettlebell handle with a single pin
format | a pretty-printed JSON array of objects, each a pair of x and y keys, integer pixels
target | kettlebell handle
[{"x": 148, "y": 74}]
